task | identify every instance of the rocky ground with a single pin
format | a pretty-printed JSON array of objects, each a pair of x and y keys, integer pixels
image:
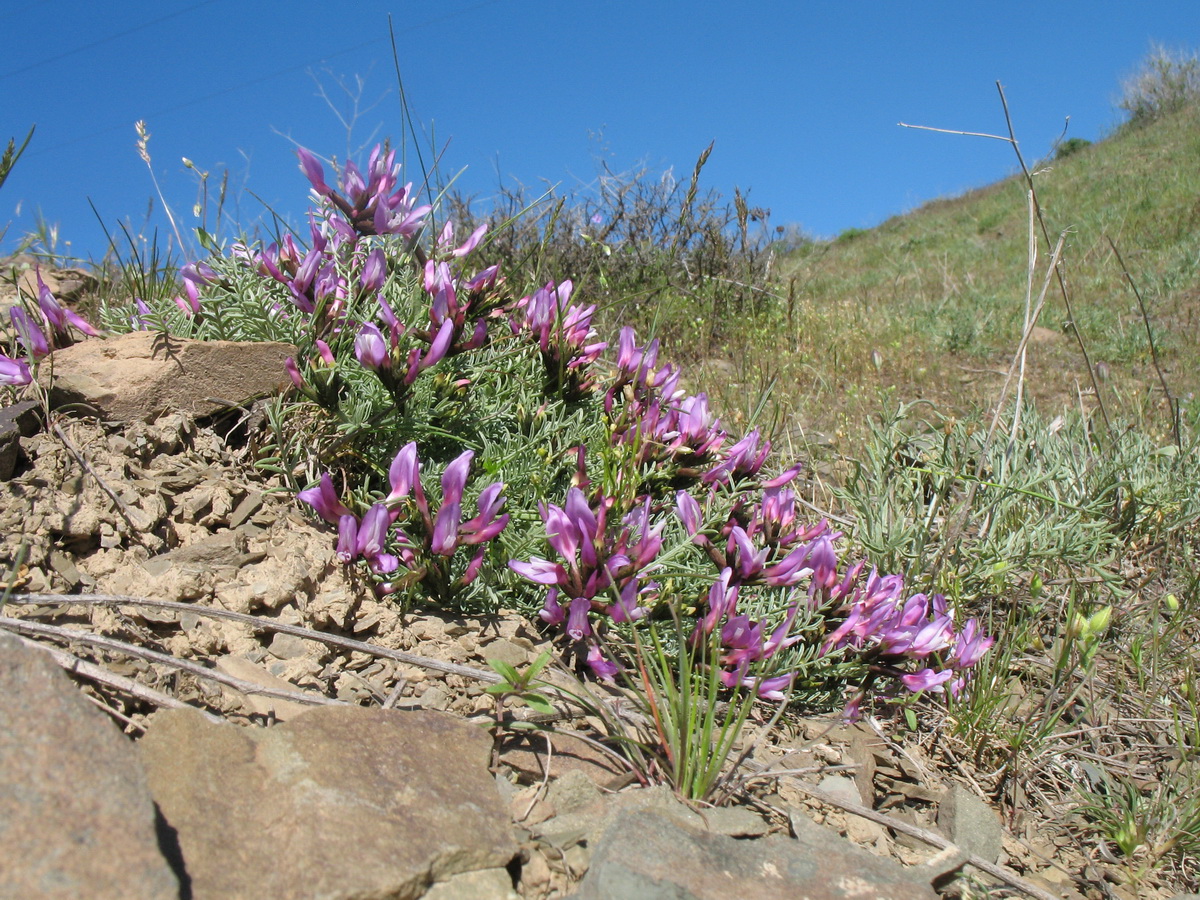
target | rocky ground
[{"x": 248, "y": 720}]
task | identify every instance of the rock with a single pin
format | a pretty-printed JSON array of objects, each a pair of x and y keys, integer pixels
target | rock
[
  {"x": 970, "y": 823},
  {"x": 526, "y": 753},
  {"x": 76, "y": 816},
  {"x": 338, "y": 802},
  {"x": 735, "y": 821},
  {"x": 67, "y": 285},
  {"x": 19, "y": 420},
  {"x": 572, "y": 793},
  {"x": 651, "y": 856},
  {"x": 858, "y": 829},
  {"x": 504, "y": 650},
  {"x": 281, "y": 710},
  {"x": 485, "y": 884},
  {"x": 135, "y": 377}
]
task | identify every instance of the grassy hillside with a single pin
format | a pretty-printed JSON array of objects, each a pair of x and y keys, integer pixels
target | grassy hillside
[{"x": 931, "y": 303}]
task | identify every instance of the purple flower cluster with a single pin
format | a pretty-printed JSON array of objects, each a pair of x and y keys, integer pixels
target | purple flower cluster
[
  {"x": 759, "y": 541},
  {"x": 598, "y": 569},
  {"x": 657, "y": 422},
  {"x": 310, "y": 276},
  {"x": 432, "y": 537},
  {"x": 39, "y": 338},
  {"x": 370, "y": 203},
  {"x": 458, "y": 316},
  {"x": 564, "y": 334},
  {"x": 888, "y": 629}
]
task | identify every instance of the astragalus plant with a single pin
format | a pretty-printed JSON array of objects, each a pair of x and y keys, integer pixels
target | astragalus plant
[{"x": 476, "y": 443}]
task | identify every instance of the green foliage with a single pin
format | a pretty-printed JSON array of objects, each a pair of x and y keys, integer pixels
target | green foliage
[
  {"x": 1070, "y": 146},
  {"x": 656, "y": 253},
  {"x": 521, "y": 685},
  {"x": 695, "y": 723},
  {"x": 1166, "y": 82},
  {"x": 11, "y": 154}
]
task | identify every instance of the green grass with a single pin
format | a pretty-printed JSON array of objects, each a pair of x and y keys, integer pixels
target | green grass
[{"x": 939, "y": 292}]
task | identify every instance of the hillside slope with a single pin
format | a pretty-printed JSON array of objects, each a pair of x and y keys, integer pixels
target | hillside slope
[{"x": 932, "y": 302}]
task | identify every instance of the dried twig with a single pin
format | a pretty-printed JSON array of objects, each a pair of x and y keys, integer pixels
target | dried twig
[
  {"x": 928, "y": 837},
  {"x": 1172, "y": 405},
  {"x": 25, "y": 626},
  {"x": 100, "y": 675},
  {"x": 261, "y": 624}
]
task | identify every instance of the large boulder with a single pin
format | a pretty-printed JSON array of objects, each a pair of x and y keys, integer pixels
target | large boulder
[
  {"x": 76, "y": 817},
  {"x": 339, "y": 802},
  {"x": 138, "y": 376}
]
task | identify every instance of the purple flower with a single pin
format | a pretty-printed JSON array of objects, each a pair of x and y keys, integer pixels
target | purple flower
[
  {"x": 722, "y": 601},
  {"x": 58, "y": 316},
  {"x": 538, "y": 570},
  {"x": 689, "y": 513},
  {"x": 374, "y": 272},
  {"x": 32, "y": 338},
  {"x": 577, "y": 619},
  {"x": 313, "y": 171},
  {"x": 446, "y": 239},
  {"x": 601, "y": 667},
  {"x": 445, "y": 528},
  {"x": 970, "y": 646},
  {"x": 14, "y": 372},
  {"x": 294, "y": 372},
  {"x": 488, "y": 523},
  {"x": 323, "y": 499},
  {"x": 371, "y": 349},
  {"x": 347, "y": 545},
  {"x": 773, "y": 688},
  {"x": 404, "y": 474},
  {"x": 454, "y": 479},
  {"x": 372, "y": 539},
  {"x": 552, "y": 612},
  {"x": 926, "y": 680}
]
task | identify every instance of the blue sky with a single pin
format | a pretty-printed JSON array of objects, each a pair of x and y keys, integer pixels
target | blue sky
[{"x": 802, "y": 99}]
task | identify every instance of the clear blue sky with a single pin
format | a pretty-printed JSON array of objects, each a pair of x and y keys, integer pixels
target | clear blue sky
[{"x": 801, "y": 98}]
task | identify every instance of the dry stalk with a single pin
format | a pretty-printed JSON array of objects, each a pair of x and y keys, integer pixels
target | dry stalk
[
  {"x": 261, "y": 625},
  {"x": 100, "y": 675},
  {"x": 1172, "y": 404},
  {"x": 24, "y": 626}
]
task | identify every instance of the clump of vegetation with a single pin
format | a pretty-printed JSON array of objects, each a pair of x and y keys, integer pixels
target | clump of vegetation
[
  {"x": 652, "y": 252},
  {"x": 1166, "y": 82},
  {"x": 476, "y": 445}
]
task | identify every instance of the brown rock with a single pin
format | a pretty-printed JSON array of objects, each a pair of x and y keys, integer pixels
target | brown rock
[
  {"x": 339, "y": 802},
  {"x": 76, "y": 817},
  {"x": 135, "y": 377}
]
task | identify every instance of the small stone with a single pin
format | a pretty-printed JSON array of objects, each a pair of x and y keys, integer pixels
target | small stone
[
  {"x": 504, "y": 650},
  {"x": 573, "y": 792},
  {"x": 288, "y": 646},
  {"x": 435, "y": 696},
  {"x": 970, "y": 823}
]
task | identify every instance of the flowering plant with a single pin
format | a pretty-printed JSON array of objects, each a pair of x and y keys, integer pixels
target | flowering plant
[{"x": 604, "y": 497}]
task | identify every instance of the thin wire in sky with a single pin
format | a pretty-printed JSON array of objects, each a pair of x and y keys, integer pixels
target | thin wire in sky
[
  {"x": 255, "y": 81},
  {"x": 104, "y": 40}
]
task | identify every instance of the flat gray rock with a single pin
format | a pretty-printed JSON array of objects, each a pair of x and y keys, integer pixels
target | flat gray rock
[
  {"x": 135, "y": 377},
  {"x": 653, "y": 856},
  {"x": 339, "y": 802},
  {"x": 76, "y": 817},
  {"x": 970, "y": 823}
]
